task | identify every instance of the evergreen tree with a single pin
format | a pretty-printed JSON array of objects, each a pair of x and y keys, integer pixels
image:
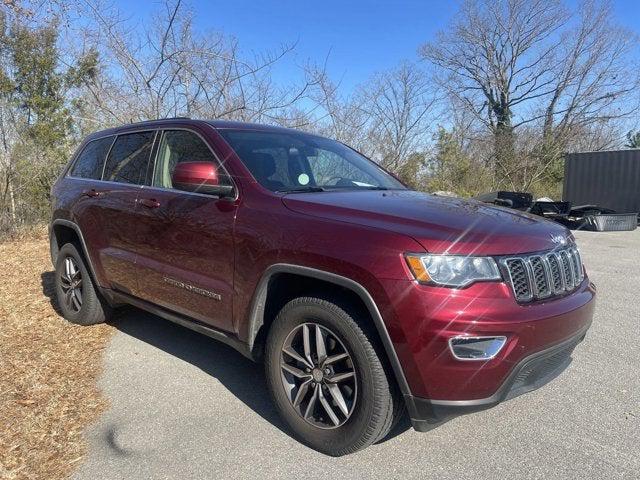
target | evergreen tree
[{"x": 633, "y": 139}]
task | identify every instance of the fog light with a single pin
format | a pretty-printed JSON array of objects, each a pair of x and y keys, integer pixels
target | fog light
[{"x": 476, "y": 348}]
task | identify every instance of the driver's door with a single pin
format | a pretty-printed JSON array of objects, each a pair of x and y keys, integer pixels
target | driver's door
[{"x": 186, "y": 250}]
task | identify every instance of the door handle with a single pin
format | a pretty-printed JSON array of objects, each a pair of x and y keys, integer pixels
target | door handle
[
  {"x": 93, "y": 193},
  {"x": 149, "y": 202}
]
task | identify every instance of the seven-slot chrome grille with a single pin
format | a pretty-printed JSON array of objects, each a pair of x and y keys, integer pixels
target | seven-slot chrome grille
[{"x": 544, "y": 275}]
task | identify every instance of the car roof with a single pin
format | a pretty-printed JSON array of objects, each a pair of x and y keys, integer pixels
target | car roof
[{"x": 217, "y": 124}]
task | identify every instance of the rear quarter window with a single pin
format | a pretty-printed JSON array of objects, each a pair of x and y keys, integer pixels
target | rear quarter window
[{"x": 91, "y": 160}]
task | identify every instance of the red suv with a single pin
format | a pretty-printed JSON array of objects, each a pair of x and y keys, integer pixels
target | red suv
[{"x": 361, "y": 297}]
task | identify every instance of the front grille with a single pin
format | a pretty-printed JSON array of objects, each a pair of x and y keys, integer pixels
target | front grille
[
  {"x": 519, "y": 278},
  {"x": 556, "y": 274},
  {"x": 540, "y": 276}
]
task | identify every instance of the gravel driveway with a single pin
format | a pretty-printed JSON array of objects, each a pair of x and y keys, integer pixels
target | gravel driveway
[{"x": 184, "y": 406}]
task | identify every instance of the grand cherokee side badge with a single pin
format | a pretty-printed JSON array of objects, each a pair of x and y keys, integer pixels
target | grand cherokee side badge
[{"x": 192, "y": 288}]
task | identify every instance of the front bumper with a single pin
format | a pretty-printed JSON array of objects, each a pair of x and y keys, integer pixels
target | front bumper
[
  {"x": 540, "y": 337},
  {"x": 531, "y": 373}
]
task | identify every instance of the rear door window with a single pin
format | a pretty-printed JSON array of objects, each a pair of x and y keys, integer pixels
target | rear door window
[
  {"x": 91, "y": 160},
  {"x": 129, "y": 158}
]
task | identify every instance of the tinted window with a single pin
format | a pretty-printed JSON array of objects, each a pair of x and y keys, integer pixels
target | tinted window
[
  {"x": 90, "y": 162},
  {"x": 129, "y": 157},
  {"x": 181, "y": 146},
  {"x": 298, "y": 161}
]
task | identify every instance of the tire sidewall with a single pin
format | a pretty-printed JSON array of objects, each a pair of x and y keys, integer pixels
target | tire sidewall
[{"x": 339, "y": 323}]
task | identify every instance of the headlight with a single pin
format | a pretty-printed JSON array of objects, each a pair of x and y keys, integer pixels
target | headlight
[{"x": 452, "y": 270}]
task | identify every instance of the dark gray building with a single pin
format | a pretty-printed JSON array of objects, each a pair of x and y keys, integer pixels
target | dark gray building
[{"x": 608, "y": 179}]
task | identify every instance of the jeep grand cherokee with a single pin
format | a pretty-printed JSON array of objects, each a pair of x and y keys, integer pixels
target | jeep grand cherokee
[{"x": 364, "y": 299}]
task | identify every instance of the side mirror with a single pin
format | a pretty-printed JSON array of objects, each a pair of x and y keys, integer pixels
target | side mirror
[{"x": 199, "y": 177}]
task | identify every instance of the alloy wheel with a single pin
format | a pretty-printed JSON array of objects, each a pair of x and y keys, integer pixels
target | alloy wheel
[
  {"x": 318, "y": 376},
  {"x": 71, "y": 284}
]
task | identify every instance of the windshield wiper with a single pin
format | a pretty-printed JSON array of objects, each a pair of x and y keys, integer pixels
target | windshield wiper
[{"x": 309, "y": 188}]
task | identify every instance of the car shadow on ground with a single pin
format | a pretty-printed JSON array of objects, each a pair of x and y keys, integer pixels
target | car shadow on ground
[
  {"x": 48, "y": 282},
  {"x": 239, "y": 375},
  {"x": 242, "y": 377}
]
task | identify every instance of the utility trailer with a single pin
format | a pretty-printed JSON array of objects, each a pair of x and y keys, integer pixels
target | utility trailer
[{"x": 604, "y": 186}]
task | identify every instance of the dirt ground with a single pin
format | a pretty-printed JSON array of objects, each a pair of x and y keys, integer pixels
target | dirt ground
[{"x": 48, "y": 369}]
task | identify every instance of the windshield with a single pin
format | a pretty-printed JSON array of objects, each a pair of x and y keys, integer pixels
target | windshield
[{"x": 295, "y": 162}]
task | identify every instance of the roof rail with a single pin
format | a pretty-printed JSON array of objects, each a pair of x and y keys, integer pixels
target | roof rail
[{"x": 159, "y": 120}]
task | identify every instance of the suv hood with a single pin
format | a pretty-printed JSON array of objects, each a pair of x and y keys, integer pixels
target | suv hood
[{"x": 439, "y": 224}]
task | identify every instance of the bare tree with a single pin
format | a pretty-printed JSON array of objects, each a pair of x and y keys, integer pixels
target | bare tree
[
  {"x": 533, "y": 63},
  {"x": 168, "y": 69},
  {"x": 387, "y": 118},
  {"x": 594, "y": 78},
  {"x": 399, "y": 105},
  {"x": 337, "y": 116}
]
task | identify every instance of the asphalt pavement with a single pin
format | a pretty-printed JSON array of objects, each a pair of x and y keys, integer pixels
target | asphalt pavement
[{"x": 186, "y": 407}]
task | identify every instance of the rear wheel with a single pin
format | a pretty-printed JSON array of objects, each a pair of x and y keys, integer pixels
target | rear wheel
[
  {"x": 78, "y": 299},
  {"x": 327, "y": 379}
]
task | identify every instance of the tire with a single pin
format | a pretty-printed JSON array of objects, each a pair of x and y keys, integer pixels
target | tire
[
  {"x": 369, "y": 402},
  {"x": 84, "y": 305}
]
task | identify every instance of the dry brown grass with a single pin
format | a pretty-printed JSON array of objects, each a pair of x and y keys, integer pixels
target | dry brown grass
[{"x": 48, "y": 369}]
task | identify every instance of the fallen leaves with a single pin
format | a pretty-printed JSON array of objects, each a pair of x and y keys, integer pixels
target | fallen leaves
[{"x": 48, "y": 369}]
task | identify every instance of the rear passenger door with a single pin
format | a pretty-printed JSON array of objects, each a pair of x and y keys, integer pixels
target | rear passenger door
[{"x": 108, "y": 216}]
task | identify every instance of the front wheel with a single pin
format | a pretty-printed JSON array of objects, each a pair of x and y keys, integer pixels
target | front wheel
[{"x": 327, "y": 379}]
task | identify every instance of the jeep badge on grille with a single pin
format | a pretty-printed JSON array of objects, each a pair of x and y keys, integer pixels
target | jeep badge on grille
[{"x": 558, "y": 239}]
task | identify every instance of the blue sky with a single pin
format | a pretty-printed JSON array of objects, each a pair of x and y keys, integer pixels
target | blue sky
[{"x": 361, "y": 37}]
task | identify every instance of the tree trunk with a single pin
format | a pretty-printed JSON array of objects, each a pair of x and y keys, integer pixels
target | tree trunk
[
  {"x": 504, "y": 145},
  {"x": 12, "y": 203}
]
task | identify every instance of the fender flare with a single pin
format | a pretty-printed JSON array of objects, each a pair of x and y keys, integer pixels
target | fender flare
[
  {"x": 256, "y": 313},
  {"x": 76, "y": 228}
]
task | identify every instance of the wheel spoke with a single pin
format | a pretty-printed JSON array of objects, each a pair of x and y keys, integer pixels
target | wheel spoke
[
  {"x": 303, "y": 389},
  {"x": 66, "y": 281},
  {"x": 67, "y": 267},
  {"x": 340, "y": 377},
  {"x": 337, "y": 396},
  {"x": 336, "y": 358},
  {"x": 296, "y": 372},
  {"x": 321, "y": 348},
  {"x": 296, "y": 356},
  {"x": 327, "y": 408},
  {"x": 67, "y": 298},
  {"x": 74, "y": 300},
  {"x": 78, "y": 296},
  {"x": 306, "y": 343},
  {"x": 312, "y": 402}
]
